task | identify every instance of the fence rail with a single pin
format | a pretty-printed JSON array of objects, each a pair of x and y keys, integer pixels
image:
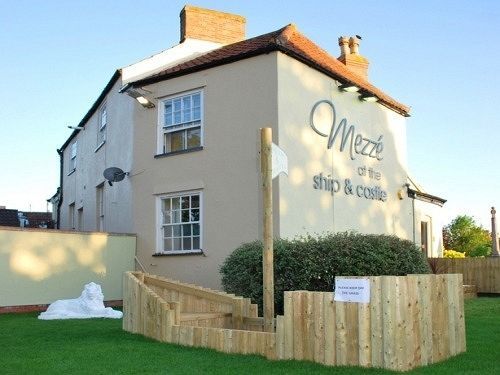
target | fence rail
[
  {"x": 410, "y": 321},
  {"x": 482, "y": 272}
]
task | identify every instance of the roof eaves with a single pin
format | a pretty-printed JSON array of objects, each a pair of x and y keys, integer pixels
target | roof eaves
[
  {"x": 94, "y": 107},
  {"x": 425, "y": 197}
]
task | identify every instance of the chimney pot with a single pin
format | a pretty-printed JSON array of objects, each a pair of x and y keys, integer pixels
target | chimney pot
[
  {"x": 344, "y": 45},
  {"x": 354, "y": 45}
]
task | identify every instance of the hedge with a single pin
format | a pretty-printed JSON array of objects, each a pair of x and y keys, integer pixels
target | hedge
[{"x": 311, "y": 263}]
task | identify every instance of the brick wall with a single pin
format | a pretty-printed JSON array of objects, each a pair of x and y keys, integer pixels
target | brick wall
[{"x": 210, "y": 25}]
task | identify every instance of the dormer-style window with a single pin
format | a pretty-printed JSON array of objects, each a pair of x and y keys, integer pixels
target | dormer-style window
[{"x": 181, "y": 123}]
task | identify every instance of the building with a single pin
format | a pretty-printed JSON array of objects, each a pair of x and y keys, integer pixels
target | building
[
  {"x": 183, "y": 126},
  {"x": 9, "y": 217},
  {"x": 16, "y": 218}
]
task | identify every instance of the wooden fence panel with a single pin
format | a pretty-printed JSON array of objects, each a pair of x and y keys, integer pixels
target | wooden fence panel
[
  {"x": 410, "y": 321},
  {"x": 482, "y": 272}
]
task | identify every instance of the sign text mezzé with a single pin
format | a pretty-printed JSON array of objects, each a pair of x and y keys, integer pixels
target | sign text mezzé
[{"x": 358, "y": 143}]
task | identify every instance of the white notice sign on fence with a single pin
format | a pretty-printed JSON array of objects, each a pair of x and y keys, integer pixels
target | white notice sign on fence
[{"x": 352, "y": 290}]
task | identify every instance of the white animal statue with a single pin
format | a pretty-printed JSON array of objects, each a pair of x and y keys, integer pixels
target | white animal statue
[{"x": 88, "y": 305}]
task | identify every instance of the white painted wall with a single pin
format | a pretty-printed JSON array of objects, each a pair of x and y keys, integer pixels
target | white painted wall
[{"x": 80, "y": 186}]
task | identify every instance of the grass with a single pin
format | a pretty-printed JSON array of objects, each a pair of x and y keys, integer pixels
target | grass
[{"x": 99, "y": 346}]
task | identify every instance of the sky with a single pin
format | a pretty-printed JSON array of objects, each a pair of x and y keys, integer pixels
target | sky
[{"x": 441, "y": 58}]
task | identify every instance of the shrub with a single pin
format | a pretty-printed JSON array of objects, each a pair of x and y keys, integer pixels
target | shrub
[
  {"x": 483, "y": 250},
  {"x": 311, "y": 263},
  {"x": 453, "y": 254}
]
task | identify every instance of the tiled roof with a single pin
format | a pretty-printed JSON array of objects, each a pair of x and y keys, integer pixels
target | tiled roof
[
  {"x": 289, "y": 41},
  {"x": 9, "y": 218}
]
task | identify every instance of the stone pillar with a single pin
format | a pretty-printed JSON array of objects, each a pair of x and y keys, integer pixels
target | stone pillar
[{"x": 494, "y": 238}]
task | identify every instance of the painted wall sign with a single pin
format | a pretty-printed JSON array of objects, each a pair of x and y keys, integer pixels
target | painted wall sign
[
  {"x": 357, "y": 143},
  {"x": 352, "y": 290},
  {"x": 333, "y": 185}
]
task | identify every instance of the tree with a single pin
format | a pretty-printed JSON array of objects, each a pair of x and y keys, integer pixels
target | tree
[{"x": 464, "y": 235}]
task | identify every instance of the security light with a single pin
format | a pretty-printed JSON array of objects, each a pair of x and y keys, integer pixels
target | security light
[
  {"x": 145, "y": 102},
  {"x": 367, "y": 97},
  {"x": 348, "y": 87}
]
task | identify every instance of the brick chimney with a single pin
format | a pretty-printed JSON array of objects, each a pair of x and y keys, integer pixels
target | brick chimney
[
  {"x": 349, "y": 55},
  {"x": 210, "y": 25}
]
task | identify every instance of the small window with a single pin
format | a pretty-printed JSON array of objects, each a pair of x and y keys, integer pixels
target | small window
[
  {"x": 79, "y": 222},
  {"x": 103, "y": 121},
  {"x": 181, "y": 123},
  {"x": 72, "y": 157},
  {"x": 424, "y": 237},
  {"x": 100, "y": 207},
  {"x": 180, "y": 223},
  {"x": 71, "y": 214}
]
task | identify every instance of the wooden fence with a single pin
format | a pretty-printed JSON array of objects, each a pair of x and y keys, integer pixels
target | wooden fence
[
  {"x": 410, "y": 321},
  {"x": 185, "y": 314},
  {"x": 484, "y": 273}
]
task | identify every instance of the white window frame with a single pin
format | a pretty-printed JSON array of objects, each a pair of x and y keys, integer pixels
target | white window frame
[
  {"x": 101, "y": 131},
  {"x": 162, "y": 131},
  {"x": 160, "y": 224},
  {"x": 73, "y": 151}
]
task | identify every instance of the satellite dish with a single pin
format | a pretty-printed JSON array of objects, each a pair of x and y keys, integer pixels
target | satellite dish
[{"x": 114, "y": 174}]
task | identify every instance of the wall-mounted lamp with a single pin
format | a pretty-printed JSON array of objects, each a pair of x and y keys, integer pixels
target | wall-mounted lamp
[
  {"x": 143, "y": 100},
  {"x": 76, "y": 127},
  {"x": 367, "y": 97},
  {"x": 401, "y": 192},
  {"x": 347, "y": 87}
]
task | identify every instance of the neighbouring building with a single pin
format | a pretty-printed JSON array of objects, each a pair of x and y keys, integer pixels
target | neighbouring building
[
  {"x": 23, "y": 219},
  {"x": 183, "y": 126},
  {"x": 9, "y": 217}
]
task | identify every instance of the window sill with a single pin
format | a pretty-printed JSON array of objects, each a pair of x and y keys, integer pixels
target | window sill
[
  {"x": 71, "y": 172},
  {"x": 173, "y": 253},
  {"x": 194, "y": 149},
  {"x": 99, "y": 146}
]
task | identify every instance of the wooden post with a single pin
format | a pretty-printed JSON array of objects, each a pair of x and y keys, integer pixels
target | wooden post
[{"x": 266, "y": 136}]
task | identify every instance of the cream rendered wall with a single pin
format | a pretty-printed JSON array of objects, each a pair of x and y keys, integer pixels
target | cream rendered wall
[
  {"x": 80, "y": 186},
  {"x": 40, "y": 266},
  {"x": 306, "y": 210},
  {"x": 239, "y": 98},
  {"x": 432, "y": 214}
]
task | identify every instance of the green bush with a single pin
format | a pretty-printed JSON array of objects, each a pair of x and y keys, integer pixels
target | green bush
[{"x": 311, "y": 263}]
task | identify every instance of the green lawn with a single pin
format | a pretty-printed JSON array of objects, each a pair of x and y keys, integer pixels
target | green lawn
[{"x": 99, "y": 346}]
